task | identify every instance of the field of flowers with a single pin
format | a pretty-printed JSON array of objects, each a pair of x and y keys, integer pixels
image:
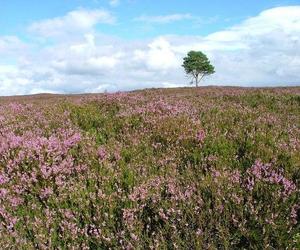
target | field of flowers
[{"x": 207, "y": 168}]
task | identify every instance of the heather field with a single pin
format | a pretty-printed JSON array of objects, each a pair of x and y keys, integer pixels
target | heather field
[{"x": 205, "y": 168}]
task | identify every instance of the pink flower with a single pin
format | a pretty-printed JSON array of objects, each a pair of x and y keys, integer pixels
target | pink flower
[
  {"x": 3, "y": 179},
  {"x": 265, "y": 173},
  {"x": 199, "y": 232},
  {"x": 102, "y": 153},
  {"x": 200, "y": 136},
  {"x": 129, "y": 216},
  {"x": 294, "y": 213},
  {"x": 16, "y": 201},
  {"x": 235, "y": 176},
  {"x": 46, "y": 192}
]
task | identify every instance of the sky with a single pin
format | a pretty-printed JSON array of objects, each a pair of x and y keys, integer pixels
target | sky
[{"x": 84, "y": 46}]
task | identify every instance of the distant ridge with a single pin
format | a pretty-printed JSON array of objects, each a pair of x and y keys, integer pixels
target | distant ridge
[{"x": 295, "y": 89}]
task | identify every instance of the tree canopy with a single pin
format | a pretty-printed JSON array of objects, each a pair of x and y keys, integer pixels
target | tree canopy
[{"x": 197, "y": 65}]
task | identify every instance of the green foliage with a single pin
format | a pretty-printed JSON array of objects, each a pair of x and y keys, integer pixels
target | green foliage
[{"x": 197, "y": 65}]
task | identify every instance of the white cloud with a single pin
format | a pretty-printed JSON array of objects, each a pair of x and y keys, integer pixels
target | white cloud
[
  {"x": 10, "y": 43},
  {"x": 261, "y": 50},
  {"x": 164, "y": 19},
  {"x": 75, "y": 21},
  {"x": 12, "y": 80},
  {"x": 86, "y": 58},
  {"x": 114, "y": 3},
  {"x": 158, "y": 57},
  {"x": 12, "y": 48},
  {"x": 86, "y": 66}
]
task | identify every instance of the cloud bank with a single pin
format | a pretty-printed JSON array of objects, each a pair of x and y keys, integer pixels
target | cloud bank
[{"x": 69, "y": 55}]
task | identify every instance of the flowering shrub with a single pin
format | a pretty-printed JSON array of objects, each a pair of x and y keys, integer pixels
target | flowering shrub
[{"x": 212, "y": 168}]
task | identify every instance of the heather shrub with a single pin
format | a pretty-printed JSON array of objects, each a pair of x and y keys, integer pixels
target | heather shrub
[{"x": 156, "y": 169}]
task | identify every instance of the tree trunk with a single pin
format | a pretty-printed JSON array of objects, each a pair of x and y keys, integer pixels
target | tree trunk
[
  {"x": 197, "y": 80},
  {"x": 201, "y": 77}
]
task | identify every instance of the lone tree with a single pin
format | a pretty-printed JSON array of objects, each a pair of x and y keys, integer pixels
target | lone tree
[{"x": 197, "y": 65}]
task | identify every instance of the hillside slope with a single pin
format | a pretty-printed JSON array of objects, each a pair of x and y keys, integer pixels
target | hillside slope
[{"x": 206, "y": 168}]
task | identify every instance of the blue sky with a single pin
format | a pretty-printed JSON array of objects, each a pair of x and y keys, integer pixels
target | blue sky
[
  {"x": 96, "y": 45},
  {"x": 213, "y": 15}
]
